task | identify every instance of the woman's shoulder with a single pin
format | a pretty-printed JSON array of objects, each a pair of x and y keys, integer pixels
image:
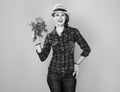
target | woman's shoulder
[
  {"x": 73, "y": 29},
  {"x": 51, "y": 34}
]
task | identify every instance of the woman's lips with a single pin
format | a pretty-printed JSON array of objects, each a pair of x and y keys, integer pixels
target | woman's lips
[{"x": 59, "y": 20}]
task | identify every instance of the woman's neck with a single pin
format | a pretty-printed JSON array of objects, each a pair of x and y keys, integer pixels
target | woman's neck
[{"x": 59, "y": 29}]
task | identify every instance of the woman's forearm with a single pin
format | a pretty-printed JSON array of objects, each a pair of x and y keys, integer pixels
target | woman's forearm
[{"x": 80, "y": 60}]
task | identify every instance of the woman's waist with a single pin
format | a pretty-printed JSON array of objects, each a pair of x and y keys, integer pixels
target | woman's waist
[{"x": 56, "y": 72}]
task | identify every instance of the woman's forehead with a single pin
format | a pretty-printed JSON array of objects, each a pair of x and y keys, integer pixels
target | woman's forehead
[{"x": 59, "y": 12}]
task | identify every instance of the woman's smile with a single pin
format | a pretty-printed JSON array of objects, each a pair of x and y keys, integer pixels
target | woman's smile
[{"x": 60, "y": 21}]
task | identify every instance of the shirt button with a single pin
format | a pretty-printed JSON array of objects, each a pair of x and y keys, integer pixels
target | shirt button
[
  {"x": 60, "y": 38},
  {"x": 63, "y": 72},
  {"x": 63, "y": 64},
  {"x": 62, "y": 68}
]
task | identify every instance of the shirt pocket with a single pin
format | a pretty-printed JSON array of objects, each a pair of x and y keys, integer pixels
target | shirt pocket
[
  {"x": 55, "y": 44},
  {"x": 70, "y": 46}
]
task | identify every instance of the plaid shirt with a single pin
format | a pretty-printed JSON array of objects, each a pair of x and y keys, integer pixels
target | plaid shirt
[{"x": 63, "y": 49}]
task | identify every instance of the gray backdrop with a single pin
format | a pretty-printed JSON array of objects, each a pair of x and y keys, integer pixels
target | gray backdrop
[{"x": 97, "y": 20}]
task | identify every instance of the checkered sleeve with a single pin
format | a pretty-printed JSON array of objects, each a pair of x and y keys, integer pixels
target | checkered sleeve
[
  {"x": 45, "y": 50},
  {"x": 82, "y": 43}
]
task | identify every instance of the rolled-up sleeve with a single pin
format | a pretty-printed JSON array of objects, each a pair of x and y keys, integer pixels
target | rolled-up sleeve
[
  {"x": 45, "y": 50},
  {"x": 82, "y": 43}
]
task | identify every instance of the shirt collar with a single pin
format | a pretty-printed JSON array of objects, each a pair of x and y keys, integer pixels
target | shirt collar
[{"x": 64, "y": 30}]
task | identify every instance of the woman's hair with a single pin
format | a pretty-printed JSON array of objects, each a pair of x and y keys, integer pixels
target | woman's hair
[{"x": 66, "y": 21}]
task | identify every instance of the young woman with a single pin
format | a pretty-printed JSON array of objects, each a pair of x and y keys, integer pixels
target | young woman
[{"x": 62, "y": 70}]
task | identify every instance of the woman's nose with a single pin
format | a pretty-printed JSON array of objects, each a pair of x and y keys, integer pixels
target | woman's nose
[{"x": 60, "y": 17}]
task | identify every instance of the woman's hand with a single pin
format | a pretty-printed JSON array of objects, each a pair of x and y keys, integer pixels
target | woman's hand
[
  {"x": 76, "y": 66},
  {"x": 37, "y": 43},
  {"x": 37, "y": 40},
  {"x": 76, "y": 70}
]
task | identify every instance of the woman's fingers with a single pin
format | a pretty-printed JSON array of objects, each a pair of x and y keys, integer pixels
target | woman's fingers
[
  {"x": 33, "y": 36},
  {"x": 74, "y": 73},
  {"x": 76, "y": 70}
]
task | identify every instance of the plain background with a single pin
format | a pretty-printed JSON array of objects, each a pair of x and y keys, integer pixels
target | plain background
[{"x": 98, "y": 22}]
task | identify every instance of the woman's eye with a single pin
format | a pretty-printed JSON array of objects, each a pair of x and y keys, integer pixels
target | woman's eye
[
  {"x": 57, "y": 14},
  {"x": 63, "y": 15}
]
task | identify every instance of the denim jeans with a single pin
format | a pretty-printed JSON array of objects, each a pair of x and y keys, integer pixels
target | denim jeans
[{"x": 61, "y": 82}]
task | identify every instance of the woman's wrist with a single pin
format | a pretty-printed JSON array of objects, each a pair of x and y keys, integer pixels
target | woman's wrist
[
  {"x": 38, "y": 46},
  {"x": 77, "y": 63},
  {"x": 80, "y": 60}
]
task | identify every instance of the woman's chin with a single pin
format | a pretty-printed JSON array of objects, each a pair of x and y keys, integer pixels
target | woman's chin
[{"x": 60, "y": 24}]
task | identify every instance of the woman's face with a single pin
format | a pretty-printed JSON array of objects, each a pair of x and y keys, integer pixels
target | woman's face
[{"x": 59, "y": 18}]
